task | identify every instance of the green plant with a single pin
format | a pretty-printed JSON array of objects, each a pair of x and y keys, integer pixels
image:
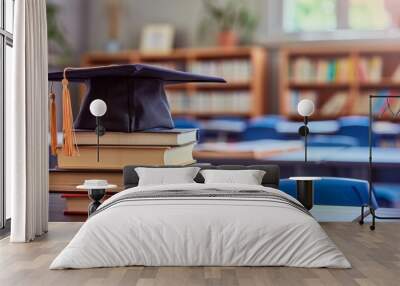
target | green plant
[
  {"x": 228, "y": 15},
  {"x": 56, "y": 40},
  {"x": 248, "y": 23}
]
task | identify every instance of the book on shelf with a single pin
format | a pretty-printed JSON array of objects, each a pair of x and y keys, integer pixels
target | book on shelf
[
  {"x": 386, "y": 106},
  {"x": 232, "y": 70},
  {"x": 361, "y": 105},
  {"x": 396, "y": 75},
  {"x": 166, "y": 64},
  {"x": 370, "y": 69},
  {"x": 344, "y": 71},
  {"x": 379, "y": 105},
  {"x": 335, "y": 104},
  {"x": 162, "y": 137},
  {"x": 178, "y": 101},
  {"x": 308, "y": 70},
  {"x": 391, "y": 106},
  {"x": 207, "y": 101},
  {"x": 116, "y": 157},
  {"x": 395, "y": 103}
]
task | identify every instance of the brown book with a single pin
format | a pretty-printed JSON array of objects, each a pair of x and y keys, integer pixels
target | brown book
[
  {"x": 165, "y": 137},
  {"x": 77, "y": 204},
  {"x": 335, "y": 105},
  {"x": 65, "y": 181},
  {"x": 115, "y": 158}
]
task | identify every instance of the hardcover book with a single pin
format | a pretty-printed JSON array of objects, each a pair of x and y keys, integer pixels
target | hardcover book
[
  {"x": 165, "y": 137},
  {"x": 116, "y": 157}
]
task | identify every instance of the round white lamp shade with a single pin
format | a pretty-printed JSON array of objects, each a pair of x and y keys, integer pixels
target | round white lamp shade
[
  {"x": 98, "y": 107},
  {"x": 305, "y": 107}
]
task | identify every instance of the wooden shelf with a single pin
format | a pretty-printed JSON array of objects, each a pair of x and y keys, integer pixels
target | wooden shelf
[
  {"x": 317, "y": 117},
  {"x": 212, "y": 114},
  {"x": 318, "y": 85},
  {"x": 355, "y": 88},
  {"x": 380, "y": 85},
  {"x": 184, "y": 58},
  {"x": 211, "y": 86}
]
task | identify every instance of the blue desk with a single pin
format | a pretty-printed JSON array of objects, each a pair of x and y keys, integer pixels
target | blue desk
[
  {"x": 316, "y": 127},
  {"x": 349, "y": 155},
  {"x": 315, "y": 154},
  {"x": 331, "y": 161}
]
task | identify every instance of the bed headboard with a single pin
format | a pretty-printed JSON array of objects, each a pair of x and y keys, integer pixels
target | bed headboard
[{"x": 270, "y": 179}]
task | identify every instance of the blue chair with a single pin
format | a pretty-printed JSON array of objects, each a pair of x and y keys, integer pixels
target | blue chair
[
  {"x": 336, "y": 192},
  {"x": 356, "y": 127},
  {"x": 387, "y": 194},
  {"x": 182, "y": 122},
  {"x": 263, "y": 128}
]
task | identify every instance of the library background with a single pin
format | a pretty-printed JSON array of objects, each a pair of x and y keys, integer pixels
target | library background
[{"x": 273, "y": 54}]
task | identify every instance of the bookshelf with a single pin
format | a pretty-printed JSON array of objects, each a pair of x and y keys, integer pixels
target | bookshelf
[
  {"x": 338, "y": 78},
  {"x": 244, "y": 68}
]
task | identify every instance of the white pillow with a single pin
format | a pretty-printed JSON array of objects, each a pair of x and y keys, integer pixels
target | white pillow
[
  {"x": 248, "y": 177},
  {"x": 166, "y": 176}
]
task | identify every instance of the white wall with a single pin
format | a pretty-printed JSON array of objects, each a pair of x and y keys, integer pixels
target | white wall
[
  {"x": 73, "y": 22},
  {"x": 184, "y": 15}
]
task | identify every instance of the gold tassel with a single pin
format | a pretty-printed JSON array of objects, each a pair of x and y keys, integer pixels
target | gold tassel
[
  {"x": 69, "y": 147},
  {"x": 53, "y": 122}
]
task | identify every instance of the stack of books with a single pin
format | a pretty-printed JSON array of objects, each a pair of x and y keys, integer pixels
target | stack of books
[
  {"x": 146, "y": 148},
  {"x": 308, "y": 70},
  {"x": 210, "y": 101},
  {"x": 232, "y": 70}
]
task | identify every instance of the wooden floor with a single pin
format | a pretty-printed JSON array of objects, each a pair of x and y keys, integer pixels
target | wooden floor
[{"x": 375, "y": 257}]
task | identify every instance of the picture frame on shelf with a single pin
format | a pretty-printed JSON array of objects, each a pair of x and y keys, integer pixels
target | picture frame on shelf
[{"x": 157, "y": 38}]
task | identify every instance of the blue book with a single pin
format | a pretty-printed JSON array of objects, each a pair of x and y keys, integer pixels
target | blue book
[{"x": 379, "y": 104}]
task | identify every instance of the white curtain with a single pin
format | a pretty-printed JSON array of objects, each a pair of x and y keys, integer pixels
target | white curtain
[{"x": 27, "y": 124}]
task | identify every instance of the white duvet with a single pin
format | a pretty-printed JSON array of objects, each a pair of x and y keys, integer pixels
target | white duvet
[{"x": 200, "y": 231}]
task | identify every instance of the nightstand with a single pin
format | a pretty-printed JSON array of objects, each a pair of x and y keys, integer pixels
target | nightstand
[
  {"x": 305, "y": 190},
  {"x": 96, "y": 191}
]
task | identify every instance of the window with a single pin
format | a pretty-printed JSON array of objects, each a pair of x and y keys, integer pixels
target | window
[
  {"x": 331, "y": 15},
  {"x": 368, "y": 15},
  {"x": 9, "y": 15},
  {"x": 6, "y": 60},
  {"x": 309, "y": 15}
]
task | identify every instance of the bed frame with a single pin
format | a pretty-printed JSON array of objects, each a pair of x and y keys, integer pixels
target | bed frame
[{"x": 270, "y": 179}]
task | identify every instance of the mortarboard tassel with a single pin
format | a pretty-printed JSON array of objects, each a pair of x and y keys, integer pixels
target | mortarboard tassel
[
  {"x": 53, "y": 122},
  {"x": 69, "y": 147}
]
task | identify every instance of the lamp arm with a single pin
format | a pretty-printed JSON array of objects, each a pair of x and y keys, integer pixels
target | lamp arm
[
  {"x": 98, "y": 137},
  {"x": 305, "y": 137}
]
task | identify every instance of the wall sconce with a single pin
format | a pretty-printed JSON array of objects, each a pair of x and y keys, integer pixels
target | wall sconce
[
  {"x": 98, "y": 108},
  {"x": 305, "y": 108}
]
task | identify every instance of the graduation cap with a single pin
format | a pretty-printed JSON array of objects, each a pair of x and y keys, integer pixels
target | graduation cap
[{"x": 134, "y": 94}]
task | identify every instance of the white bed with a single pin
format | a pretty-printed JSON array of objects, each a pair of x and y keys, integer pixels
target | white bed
[{"x": 201, "y": 230}]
